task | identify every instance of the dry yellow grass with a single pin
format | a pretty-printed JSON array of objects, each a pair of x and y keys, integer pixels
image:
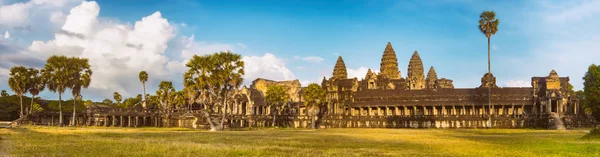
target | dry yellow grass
[{"x": 94, "y": 141}]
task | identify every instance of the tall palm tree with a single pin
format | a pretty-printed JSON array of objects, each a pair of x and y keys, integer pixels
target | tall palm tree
[
  {"x": 144, "y": 78},
  {"x": 488, "y": 25},
  {"x": 81, "y": 78},
  {"x": 19, "y": 82},
  {"x": 56, "y": 72},
  {"x": 166, "y": 95},
  {"x": 37, "y": 84}
]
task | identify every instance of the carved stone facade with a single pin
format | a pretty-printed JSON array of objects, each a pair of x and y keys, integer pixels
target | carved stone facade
[{"x": 416, "y": 76}]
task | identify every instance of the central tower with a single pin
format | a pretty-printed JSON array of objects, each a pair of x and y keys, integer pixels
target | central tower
[{"x": 389, "y": 63}]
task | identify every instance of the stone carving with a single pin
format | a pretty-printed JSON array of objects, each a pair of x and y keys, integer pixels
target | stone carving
[{"x": 431, "y": 79}]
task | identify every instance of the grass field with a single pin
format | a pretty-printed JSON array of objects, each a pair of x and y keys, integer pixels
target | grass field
[{"x": 54, "y": 141}]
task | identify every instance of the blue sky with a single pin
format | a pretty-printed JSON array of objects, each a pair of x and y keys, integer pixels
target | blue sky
[{"x": 302, "y": 39}]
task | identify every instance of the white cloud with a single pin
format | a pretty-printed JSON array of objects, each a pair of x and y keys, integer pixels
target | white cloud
[
  {"x": 6, "y": 35},
  {"x": 117, "y": 52},
  {"x": 267, "y": 66},
  {"x": 190, "y": 47},
  {"x": 575, "y": 11},
  {"x": 359, "y": 73},
  {"x": 518, "y": 83},
  {"x": 15, "y": 14},
  {"x": 311, "y": 59},
  {"x": 58, "y": 18}
]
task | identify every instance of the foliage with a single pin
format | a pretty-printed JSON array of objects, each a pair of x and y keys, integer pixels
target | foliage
[
  {"x": 131, "y": 102},
  {"x": 4, "y": 93},
  {"x": 36, "y": 84},
  {"x": 117, "y": 97},
  {"x": 19, "y": 82},
  {"x": 36, "y": 108},
  {"x": 67, "y": 106},
  {"x": 108, "y": 102},
  {"x": 180, "y": 99},
  {"x": 591, "y": 89},
  {"x": 143, "y": 78},
  {"x": 212, "y": 80},
  {"x": 276, "y": 97},
  {"x": 594, "y": 134},
  {"x": 165, "y": 95},
  {"x": 57, "y": 74},
  {"x": 488, "y": 24},
  {"x": 314, "y": 98}
]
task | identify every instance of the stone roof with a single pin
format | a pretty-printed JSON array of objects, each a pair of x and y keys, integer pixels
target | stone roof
[
  {"x": 431, "y": 75},
  {"x": 415, "y": 72},
  {"x": 389, "y": 63},
  {"x": 339, "y": 71}
]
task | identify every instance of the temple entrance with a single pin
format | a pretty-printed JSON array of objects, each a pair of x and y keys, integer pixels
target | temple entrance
[
  {"x": 243, "y": 108},
  {"x": 554, "y": 105}
]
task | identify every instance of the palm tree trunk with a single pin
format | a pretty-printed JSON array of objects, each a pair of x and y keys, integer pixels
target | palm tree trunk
[
  {"x": 274, "y": 116},
  {"x": 489, "y": 87},
  {"x": 224, "y": 109},
  {"x": 144, "y": 86},
  {"x": 31, "y": 108},
  {"x": 74, "y": 104},
  {"x": 60, "y": 118},
  {"x": 21, "y": 99}
]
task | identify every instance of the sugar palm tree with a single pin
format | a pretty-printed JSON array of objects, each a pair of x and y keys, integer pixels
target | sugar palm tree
[
  {"x": 165, "y": 95},
  {"x": 56, "y": 72},
  {"x": 488, "y": 25},
  {"x": 19, "y": 82},
  {"x": 37, "y": 84},
  {"x": 117, "y": 97},
  {"x": 81, "y": 78},
  {"x": 4, "y": 93},
  {"x": 144, "y": 78}
]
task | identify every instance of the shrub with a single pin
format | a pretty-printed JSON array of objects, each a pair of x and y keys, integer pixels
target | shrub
[{"x": 594, "y": 134}]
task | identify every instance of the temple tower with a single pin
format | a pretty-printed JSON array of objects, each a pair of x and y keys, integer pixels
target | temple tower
[
  {"x": 431, "y": 79},
  {"x": 389, "y": 63},
  {"x": 339, "y": 71},
  {"x": 416, "y": 78}
]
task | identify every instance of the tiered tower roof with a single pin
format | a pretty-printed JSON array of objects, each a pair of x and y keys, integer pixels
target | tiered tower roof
[
  {"x": 389, "y": 63},
  {"x": 416, "y": 74},
  {"x": 339, "y": 71}
]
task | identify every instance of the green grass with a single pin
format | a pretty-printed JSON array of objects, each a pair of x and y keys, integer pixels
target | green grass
[{"x": 97, "y": 141}]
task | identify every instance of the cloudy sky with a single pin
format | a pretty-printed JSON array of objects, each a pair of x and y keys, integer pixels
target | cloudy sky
[{"x": 283, "y": 40}]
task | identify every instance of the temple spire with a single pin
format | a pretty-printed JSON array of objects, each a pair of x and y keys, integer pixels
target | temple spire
[
  {"x": 389, "y": 63},
  {"x": 416, "y": 78},
  {"x": 431, "y": 78},
  {"x": 339, "y": 71}
]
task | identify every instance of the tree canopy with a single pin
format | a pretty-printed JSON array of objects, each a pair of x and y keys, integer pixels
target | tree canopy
[
  {"x": 591, "y": 90},
  {"x": 276, "y": 97}
]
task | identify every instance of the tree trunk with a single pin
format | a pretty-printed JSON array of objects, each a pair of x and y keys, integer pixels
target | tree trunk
[
  {"x": 60, "y": 118},
  {"x": 489, "y": 87},
  {"x": 221, "y": 126},
  {"x": 144, "y": 86},
  {"x": 21, "y": 99},
  {"x": 31, "y": 108},
  {"x": 210, "y": 122},
  {"x": 74, "y": 112},
  {"x": 274, "y": 118}
]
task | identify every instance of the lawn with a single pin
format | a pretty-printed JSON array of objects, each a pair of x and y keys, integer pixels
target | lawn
[{"x": 98, "y": 141}]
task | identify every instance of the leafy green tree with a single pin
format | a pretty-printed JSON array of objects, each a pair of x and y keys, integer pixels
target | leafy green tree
[
  {"x": 591, "y": 89},
  {"x": 143, "y": 78},
  {"x": 117, "y": 98},
  {"x": 19, "y": 83},
  {"x": 216, "y": 77},
  {"x": 276, "y": 97},
  {"x": 57, "y": 74},
  {"x": 36, "y": 85},
  {"x": 165, "y": 95},
  {"x": 107, "y": 102},
  {"x": 4, "y": 93},
  {"x": 314, "y": 98},
  {"x": 36, "y": 108},
  {"x": 87, "y": 103},
  {"x": 81, "y": 77}
]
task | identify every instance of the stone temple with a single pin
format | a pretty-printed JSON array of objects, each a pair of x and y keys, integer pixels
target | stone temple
[{"x": 422, "y": 99}]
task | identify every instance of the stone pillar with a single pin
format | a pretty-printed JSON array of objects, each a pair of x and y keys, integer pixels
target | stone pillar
[
  {"x": 396, "y": 110},
  {"x": 425, "y": 112},
  {"x": 369, "y": 111},
  {"x": 360, "y": 111},
  {"x": 378, "y": 111}
]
